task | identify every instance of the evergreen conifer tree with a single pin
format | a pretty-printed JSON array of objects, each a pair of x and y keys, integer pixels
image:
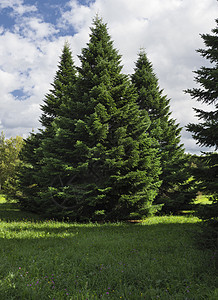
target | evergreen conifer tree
[
  {"x": 174, "y": 192},
  {"x": 28, "y": 173},
  {"x": 40, "y": 148},
  {"x": 96, "y": 157},
  {"x": 107, "y": 167},
  {"x": 206, "y": 132},
  {"x": 114, "y": 167}
]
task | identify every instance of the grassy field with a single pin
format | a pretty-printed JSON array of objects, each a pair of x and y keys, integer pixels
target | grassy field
[{"x": 156, "y": 259}]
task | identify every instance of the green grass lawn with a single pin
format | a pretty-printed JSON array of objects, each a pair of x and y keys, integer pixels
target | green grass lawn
[{"x": 156, "y": 259}]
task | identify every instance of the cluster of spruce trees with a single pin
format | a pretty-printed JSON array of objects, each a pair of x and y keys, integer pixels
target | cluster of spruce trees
[{"x": 109, "y": 148}]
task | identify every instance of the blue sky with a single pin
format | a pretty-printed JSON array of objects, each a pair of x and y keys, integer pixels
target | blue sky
[{"x": 33, "y": 32}]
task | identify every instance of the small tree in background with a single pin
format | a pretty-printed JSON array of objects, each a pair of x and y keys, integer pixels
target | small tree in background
[
  {"x": 9, "y": 163},
  {"x": 175, "y": 191},
  {"x": 206, "y": 132}
]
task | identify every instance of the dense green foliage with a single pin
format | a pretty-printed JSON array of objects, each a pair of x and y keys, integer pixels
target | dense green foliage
[
  {"x": 94, "y": 159},
  {"x": 176, "y": 189},
  {"x": 206, "y": 132},
  {"x": 62, "y": 92},
  {"x": 157, "y": 259},
  {"x": 38, "y": 151},
  {"x": 9, "y": 163}
]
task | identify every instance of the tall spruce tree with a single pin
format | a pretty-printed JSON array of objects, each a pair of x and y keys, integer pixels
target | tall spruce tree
[
  {"x": 107, "y": 165},
  {"x": 39, "y": 147},
  {"x": 117, "y": 156},
  {"x": 206, "y": 131},
  {"x": 174, "y": 192}
]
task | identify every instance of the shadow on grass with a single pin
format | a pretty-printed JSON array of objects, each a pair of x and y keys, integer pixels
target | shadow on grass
[{"x": 10, "y": 212}]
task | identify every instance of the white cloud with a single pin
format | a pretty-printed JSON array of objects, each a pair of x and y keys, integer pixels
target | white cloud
[
  {"x": 77, "y": 15},
  {"x": 11, "y": 82},
  {"x": 18, "y": 6},
  {"x": 30, "y": 67},
  {"x": 16, "y": 52},
  {"x": 35, "y": 28}
]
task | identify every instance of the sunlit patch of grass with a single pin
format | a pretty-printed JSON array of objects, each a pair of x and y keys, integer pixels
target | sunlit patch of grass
[
  {"x": 202, "y": 199},
  {"x": 170, "y": 220},
  {"x": 155, "y": 259}
]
